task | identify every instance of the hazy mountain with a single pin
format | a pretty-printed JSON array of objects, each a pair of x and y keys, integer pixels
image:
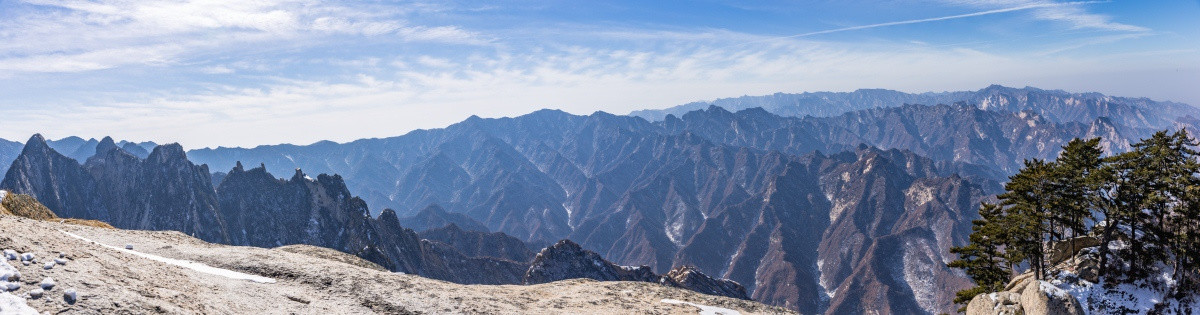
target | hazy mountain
[
  {"x": 433, "y": 217},
  {"x": 1055, "y": 105},
  {"x": 960, "y": 138}
]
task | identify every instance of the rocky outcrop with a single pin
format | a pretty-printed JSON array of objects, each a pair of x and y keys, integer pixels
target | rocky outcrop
[
  {"x": 1026, "y": 296},
  {"x": 1065, "y": 249},
  {"x": 691, "y": 278},
  {"x": 566, "y": 260},
  {"x": 24, "y": 206},
  {"x": 480, "y": 244}
]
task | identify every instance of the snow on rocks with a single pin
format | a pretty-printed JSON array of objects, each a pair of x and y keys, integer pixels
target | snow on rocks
[
  {"x": 27, "y": 257},
  {"x": 48, "y": 266},
  {"x": 11, "y": 286},
  {"x": 60, "y": 261},
  {"x": 47, "y": 283},
  {"x": 10, "y": 254},
  {"x": 704, "y": 309},
  {"x": 129, "y": 246},
  {"x": 8, "y": 271},
  {"x": 70, "y": 296},
  {"x": 12, "y": 304},
  {"x": 36, "y": 293}
]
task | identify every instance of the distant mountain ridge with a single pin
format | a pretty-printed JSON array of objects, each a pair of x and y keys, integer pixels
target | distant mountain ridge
[{"x": 1055, "y": 105}]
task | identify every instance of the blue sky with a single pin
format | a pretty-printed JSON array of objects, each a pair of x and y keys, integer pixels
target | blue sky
[{"x": 233, "y": 73}]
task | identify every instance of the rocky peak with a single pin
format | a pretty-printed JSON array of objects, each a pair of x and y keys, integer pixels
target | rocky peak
[
  {"x": 105, "y": 145},
  {"x": 35, "y": 145},
  {"x": 567, "y": 260},
  {"x": 167, "y": 153},
  {"x": 691, "y": 278},
  {"x": 298, "y": 176}
]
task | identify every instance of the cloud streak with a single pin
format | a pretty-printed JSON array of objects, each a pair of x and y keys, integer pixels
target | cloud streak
[{"x": 1053, "y": 15}]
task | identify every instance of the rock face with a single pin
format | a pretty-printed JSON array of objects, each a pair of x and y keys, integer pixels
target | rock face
[
  {"x": 566, "y": 260},
  {"x": 263, "y": 211},
  {"x": 163, "y": 192}
]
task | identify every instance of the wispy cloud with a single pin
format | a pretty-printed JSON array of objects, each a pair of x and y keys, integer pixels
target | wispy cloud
[
  {"x": 72, "y": 36},
  {"x": 1068, "y": 11},
  {"x": 1073, "y": 13}
]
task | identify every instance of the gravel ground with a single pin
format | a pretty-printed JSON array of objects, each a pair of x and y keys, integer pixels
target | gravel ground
[{"x": 309, "y": 281}]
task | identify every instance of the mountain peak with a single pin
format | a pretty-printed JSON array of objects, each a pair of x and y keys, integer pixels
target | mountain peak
[
  {"x": 168, "y": 152},
  {"x": 105, "y": 145},
  {"x": 299, "y": 175}
]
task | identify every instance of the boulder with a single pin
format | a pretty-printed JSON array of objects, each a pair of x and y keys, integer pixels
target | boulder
[
  {"x": 1065, "y": 249},
  {"x": 998, "y": 303},
  {"x": 1028, "y": 296},
  {"x": 1040, "y": 297}
]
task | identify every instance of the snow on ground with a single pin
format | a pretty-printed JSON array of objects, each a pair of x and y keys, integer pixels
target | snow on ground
[
  {"x": 199, "y": 267},
  {"x": 14, "y": 305},
  {"x": 705, "y": 309},
  {"x": 1138, "y": 297},
  {"x": 3, "y": 193}
]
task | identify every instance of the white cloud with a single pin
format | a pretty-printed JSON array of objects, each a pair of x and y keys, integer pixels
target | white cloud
[
  {"x": 424, "y": 92},
  {"x": 72, "y": 36}
]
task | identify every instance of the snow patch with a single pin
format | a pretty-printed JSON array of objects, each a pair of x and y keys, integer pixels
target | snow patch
[
  {"x": 704, "y": 309},
  {"x": 3, "y": 193},
  {"x": 919, "y": 273},
  {"x": 195, "y": 266},
  {"x": 1138, "y": 297}
]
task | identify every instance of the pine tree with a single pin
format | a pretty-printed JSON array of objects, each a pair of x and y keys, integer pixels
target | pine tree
[
  {"x": 981, "y": 258},
  {"x": 1026, "y": 201},
  {"x": 1077, "y": 183}
]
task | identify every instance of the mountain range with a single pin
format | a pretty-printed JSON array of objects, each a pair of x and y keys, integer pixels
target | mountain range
[{"x": 819, "y": 202}]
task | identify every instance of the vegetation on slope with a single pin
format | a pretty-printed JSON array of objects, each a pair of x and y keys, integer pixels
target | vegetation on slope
[{"x": 1143, "y": 206}]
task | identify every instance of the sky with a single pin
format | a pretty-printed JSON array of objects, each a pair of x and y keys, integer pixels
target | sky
[{"x": 210, "y": 73}]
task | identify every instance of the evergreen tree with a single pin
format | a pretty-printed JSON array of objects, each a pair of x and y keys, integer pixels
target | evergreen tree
[
  {"x": 981, "y": 258},
  {"x": 1077, "y": 183},
  {"x": 1026, "y": 201}
]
